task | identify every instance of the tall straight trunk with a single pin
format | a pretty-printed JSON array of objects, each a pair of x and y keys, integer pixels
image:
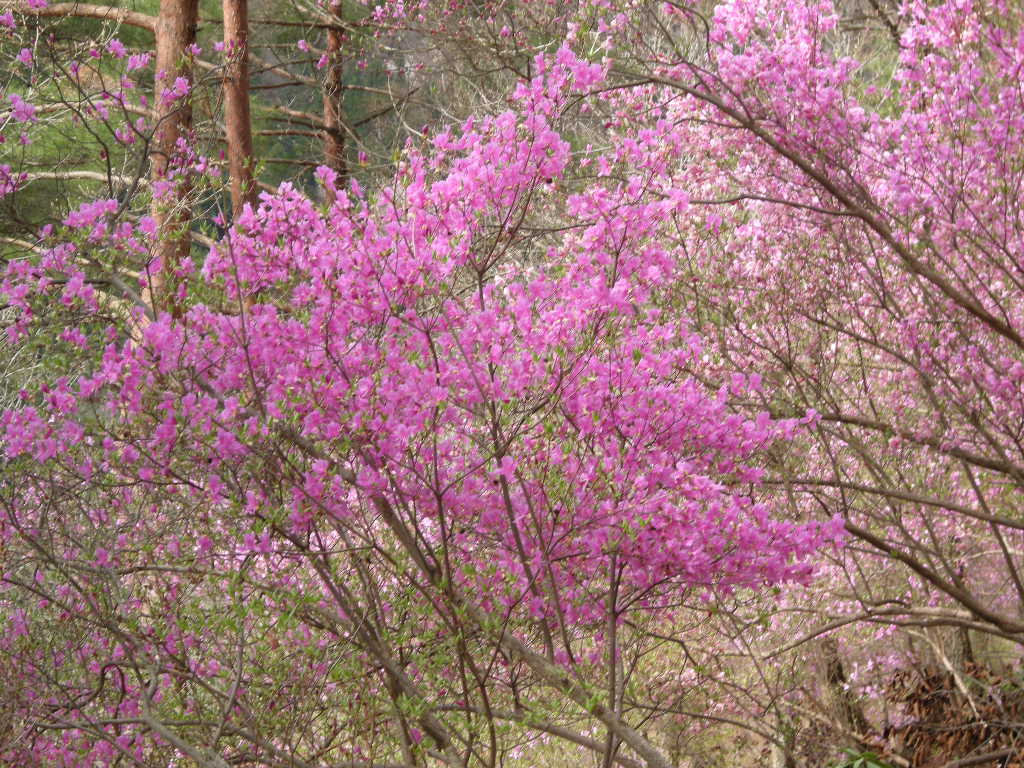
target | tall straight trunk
[
  {"x": 846, "y": 708},
  {"x": 175, "y": 32},
  {"x": 237, "y": 118},
  {"x": 334, "y": 128}
]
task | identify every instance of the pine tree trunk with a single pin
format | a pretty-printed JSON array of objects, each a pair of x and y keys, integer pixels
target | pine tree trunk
[
  {"x": 175, "y": 32},
  {"x": 334, "y": 129},
  {"x": 237, "y": 118},
  {"x": 846, "y": 707}
]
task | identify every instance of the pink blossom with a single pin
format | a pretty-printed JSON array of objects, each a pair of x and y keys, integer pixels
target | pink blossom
[
  {"x": 138, "y": 61},
  {"x": 22, "y": 111},
  {"x": 117, "y": 49}
]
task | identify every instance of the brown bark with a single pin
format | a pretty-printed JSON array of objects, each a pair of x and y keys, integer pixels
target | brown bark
[
  {"x": 89, "y": 11},
  {"x": 237, "y": 117},
  {"x": 847, "y": 709},
  {"x": 334, "y": 128},
  {"x": 175, "y": 32}
]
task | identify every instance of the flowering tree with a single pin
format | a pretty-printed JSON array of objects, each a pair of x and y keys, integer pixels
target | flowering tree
[
  {"x": 386, "y": 402},
  {"x": 472, "y": 467},
  {"x": 859, "y": 251}
]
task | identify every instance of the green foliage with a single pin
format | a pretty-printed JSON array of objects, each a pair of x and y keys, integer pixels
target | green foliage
[{"x": 855, "y": 759}]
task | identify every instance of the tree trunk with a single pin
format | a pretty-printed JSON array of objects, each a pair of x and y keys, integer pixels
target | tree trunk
[
  {"x": 237, "y": 119},
  {"x": 846, "y": 707},
  {"x": 89, "y": 11},
  {"x": 334, "y": 128},
  {"x": 175, "y": 32}
]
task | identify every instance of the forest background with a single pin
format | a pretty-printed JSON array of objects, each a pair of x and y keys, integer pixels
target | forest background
[{"x": 512, "y": 383}]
